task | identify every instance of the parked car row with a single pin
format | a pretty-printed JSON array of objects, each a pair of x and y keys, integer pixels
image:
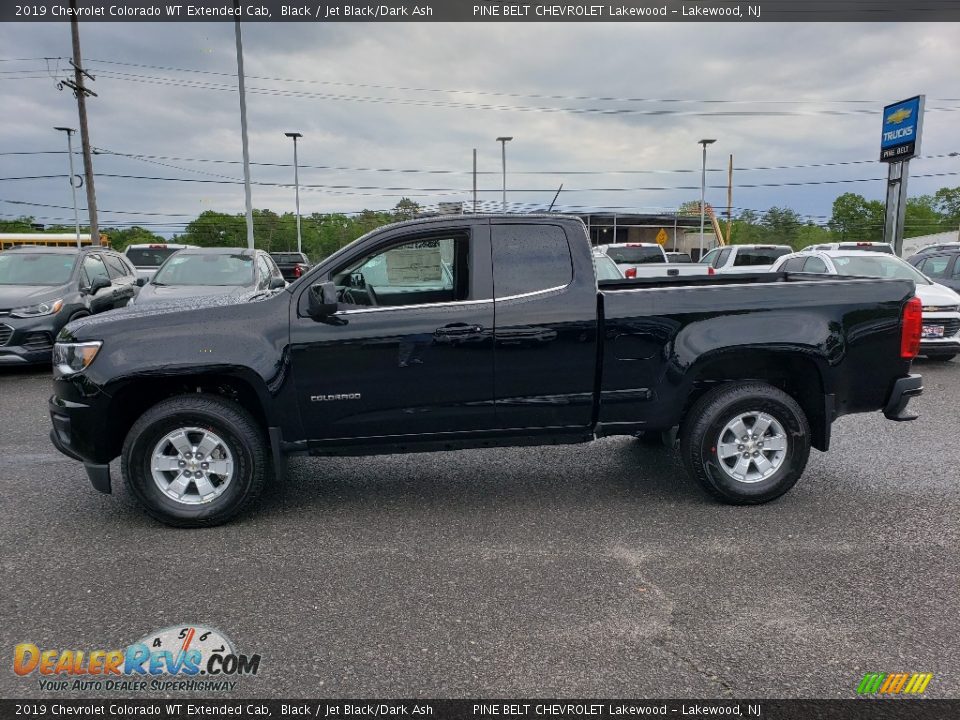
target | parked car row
[{"x": 42, "y": 288}]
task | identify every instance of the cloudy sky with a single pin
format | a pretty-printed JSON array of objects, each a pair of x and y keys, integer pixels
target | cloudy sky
[{"x": 613, "y": 112}]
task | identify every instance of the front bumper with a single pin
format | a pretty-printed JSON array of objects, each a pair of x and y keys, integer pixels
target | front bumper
[
  {"x": 903, "y": 389},
  {"x": 67, "y": 435},
  {"x": 27, "y": 341}
]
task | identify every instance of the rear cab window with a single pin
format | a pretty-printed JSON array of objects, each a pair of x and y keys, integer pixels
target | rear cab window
[
  {"x": 635, "y": 255},
  {"x": 149, "y": 257},
  {"x": 529, "y": 259},
  {"x": 758, "y": 256}
]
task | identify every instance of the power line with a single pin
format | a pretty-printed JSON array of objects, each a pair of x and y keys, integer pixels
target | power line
[
  {"x": 279, "y": 92},
  {"x": 532, "y": 96},
  {"x": 804, "y": 166},
  {"x": 323, "y": 186}
]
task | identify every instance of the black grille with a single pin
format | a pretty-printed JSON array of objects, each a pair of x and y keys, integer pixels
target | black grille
[
  {"x": 5, "y": 332},
  {"x": 38, "y": 341}
]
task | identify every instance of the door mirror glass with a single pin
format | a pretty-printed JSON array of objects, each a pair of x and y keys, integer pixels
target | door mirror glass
[
  {"x": 277, "y": 283},
  {"x": 140, "y": 281},
  {"x": 322, "y": 300}
]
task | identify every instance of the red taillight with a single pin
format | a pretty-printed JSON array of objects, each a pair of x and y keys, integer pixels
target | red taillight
[
  {"x": 630, "y": 273},
  {"x": 297, "y": 270},
  {"x": 910, "y": 328},
  {"x": 710, "y": 270}
]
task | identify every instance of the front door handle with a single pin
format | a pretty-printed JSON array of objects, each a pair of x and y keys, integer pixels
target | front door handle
[{"x": 458, "y": 331}]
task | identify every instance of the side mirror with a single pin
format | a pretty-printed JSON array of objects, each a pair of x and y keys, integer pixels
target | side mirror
[
  {"x": 276, "y": 283},
  {"x": 140, "y": 281},
  {"x": 322, "y": 300},
  {"x": 98, "y": 284}
]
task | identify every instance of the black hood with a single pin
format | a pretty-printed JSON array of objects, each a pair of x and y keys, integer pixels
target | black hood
[{"x": 86, "y": 328}]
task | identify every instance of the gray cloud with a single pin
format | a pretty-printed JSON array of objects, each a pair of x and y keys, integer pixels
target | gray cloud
[{"x": 346, "y": 122}]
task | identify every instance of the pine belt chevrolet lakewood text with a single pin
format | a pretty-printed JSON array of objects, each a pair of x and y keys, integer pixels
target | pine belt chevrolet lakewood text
[{"x": 476, "y": 331}]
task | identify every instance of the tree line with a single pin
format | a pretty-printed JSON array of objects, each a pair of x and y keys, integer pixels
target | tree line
[{"x": 853, "y": 218}]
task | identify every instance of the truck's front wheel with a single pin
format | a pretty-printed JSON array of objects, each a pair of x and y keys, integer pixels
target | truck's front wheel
[
  {"x": 746, "y": 443},
  {"x": 194, "y": 460}
]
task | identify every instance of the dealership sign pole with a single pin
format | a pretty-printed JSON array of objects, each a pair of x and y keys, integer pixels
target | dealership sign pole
[{"x": 899, "y": 141}]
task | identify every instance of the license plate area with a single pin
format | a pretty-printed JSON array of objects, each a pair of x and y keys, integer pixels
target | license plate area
[{"x": 932, "y": 331}]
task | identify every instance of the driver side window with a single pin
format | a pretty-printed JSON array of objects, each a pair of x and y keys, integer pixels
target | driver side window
[{"x": 415, "y": 271}]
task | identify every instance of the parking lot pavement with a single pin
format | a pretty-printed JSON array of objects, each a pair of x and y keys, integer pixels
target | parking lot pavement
[{"x": 593, "y": 570}]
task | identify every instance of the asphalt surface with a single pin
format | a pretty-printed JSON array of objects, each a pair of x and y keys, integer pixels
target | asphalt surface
[{"x": 597, "y": 570}]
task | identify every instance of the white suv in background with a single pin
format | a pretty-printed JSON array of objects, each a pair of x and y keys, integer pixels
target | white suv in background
[{"x": 744, "y": 258}]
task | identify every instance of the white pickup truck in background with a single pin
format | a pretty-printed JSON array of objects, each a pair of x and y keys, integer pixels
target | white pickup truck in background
[
  {"x": 640, "y": 260},
  {"x": 743, "y": 258}
]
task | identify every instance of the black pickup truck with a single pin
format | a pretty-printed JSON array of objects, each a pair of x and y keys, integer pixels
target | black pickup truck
[{"x": 477, "y": 331}]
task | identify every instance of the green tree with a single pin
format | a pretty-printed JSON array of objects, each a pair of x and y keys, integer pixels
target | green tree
[
  {"x": 947, "y": 202},
  {"x": 856, "y": 218}
]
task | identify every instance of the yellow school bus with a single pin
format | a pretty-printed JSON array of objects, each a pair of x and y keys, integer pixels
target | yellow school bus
[{"x": 9, "y": 240}]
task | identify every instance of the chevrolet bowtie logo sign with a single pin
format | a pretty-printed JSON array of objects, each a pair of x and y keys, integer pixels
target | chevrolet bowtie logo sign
[{"x": 899, "y": 116}]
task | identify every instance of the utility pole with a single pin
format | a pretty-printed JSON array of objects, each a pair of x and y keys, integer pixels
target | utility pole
[
  {"x": 81, "y": 92},
  {"x": 474, "y": 181},
  {"x": 243, "y": 127}
]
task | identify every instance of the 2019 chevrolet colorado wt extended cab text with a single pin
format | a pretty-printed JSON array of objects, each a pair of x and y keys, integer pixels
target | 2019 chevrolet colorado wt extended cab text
[{"x": 475, "y": 331}]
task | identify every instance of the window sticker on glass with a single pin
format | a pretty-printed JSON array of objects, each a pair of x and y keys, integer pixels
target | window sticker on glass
[{"x": 413, "y": 265}]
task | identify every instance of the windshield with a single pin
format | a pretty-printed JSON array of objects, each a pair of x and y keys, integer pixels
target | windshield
[
  {"x": 218, "y": 270},
  {"x": 881, "y": 266},
  {"x": 606, "y": 268},
  {"x": 635, "y": 255},
  {"x": 36, "y": 268},
  {"x": 149, "y": 257}
]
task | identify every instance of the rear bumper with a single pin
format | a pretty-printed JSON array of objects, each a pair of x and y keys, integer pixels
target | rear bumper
[{"x": 903, "y": 389}]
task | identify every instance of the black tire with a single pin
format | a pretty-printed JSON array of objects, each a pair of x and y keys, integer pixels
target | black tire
[
  {"x": 701, "y": 432},
  {"x": 240, "y": 435},
  {"x": 941, "y": 358}
]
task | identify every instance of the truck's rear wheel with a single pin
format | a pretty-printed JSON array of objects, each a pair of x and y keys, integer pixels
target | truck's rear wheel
[
  {"x": 194, "y": 460},
  {"x": 746, "y": 443}
]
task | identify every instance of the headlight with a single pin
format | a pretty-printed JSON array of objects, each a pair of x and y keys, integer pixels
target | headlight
[
  {"x": 45, "y": 308},
  {"x": 71, "y": 358}
]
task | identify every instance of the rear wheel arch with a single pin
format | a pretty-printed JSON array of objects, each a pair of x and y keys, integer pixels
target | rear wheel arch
[{"x": 797, "y": 373}]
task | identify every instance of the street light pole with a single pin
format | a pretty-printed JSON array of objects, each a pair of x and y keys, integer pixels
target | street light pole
[
  {"x": 73, "y": 188},
  {"x": 296, "y": 181},
  {"x": 248, "y": 202},
  {"x": 503, "y": 140},
  {"x": 703, "y": 190}
]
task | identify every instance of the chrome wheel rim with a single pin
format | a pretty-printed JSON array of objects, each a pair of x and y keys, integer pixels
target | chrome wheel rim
[
  {"x": 751, "y": 447},
  {"x": 192, "y": 465}
]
